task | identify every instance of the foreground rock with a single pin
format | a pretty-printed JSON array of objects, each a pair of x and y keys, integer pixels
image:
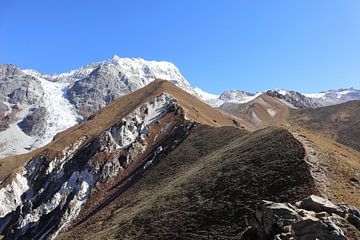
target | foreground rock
[{"x": 312, "y": 218}]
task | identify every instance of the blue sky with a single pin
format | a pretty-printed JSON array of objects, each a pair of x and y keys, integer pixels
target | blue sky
[{"x": 304, "y": 45}]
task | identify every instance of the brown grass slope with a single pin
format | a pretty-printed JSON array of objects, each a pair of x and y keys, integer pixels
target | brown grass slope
[
  {"x": 261, "y": 112},
  {"x": 340, "y": 122},
  {"x": 326, "y": 134},
  {"x": 206, "y": 188},
  {"x": 195, "y": 109}
]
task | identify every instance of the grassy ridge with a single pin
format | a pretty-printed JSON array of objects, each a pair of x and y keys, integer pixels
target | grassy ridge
[{"x": 206, "y": 188}]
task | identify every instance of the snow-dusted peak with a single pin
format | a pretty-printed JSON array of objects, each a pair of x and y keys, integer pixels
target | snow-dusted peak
[
  {"x": 282, "y": 91},
  {"x": 332, "y": 97},
  {"x": 237, "y": 96},
  {"x": 115, "y": 57},
  {"x": 32, "y": 72},
  {"x": 315, "y": 95}
]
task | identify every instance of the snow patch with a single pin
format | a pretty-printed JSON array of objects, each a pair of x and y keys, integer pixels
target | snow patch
[
  {"x": 205, "y": 95},
  {"x": 340, "y": 94},
  {"x": 282, "y": 92},
  {"x": 62, "y": 114},
  {"x": 136, "y": 124},
  {"x": 10, "y": 196},
  {"x": 79, "y": 182},
  {"x": 314, "y": 95},
  {"x": 271, "y": 112}
]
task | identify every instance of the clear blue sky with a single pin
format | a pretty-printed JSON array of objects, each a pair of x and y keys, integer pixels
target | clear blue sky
[{"x": 305, "y": 45}]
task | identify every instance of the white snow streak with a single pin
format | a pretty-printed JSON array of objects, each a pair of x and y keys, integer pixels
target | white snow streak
[{"x": 62, "y": 114}]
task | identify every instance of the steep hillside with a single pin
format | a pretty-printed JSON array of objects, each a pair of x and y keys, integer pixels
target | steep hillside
[
  {"x": 205, "y": 188},
  {"x": 263, "y": 111},
  {"x": 44, "y": 191},
  {"x": 340, "y": 122},
  {"x": 334, "y": 166}
]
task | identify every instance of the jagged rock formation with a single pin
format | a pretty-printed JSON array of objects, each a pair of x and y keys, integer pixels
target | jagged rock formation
[
  {"x": 333, "y": 97},
  {"x": 312, "y": 218},
  {"x": 18, "y": 88},
  {"x": 119, "y": 76},
  {"x": 295, "y": 99},
  {"x": 236, "y": 96}
]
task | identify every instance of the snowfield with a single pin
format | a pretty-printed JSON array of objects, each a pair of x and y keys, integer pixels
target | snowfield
[{"x": 61, "y": 115}]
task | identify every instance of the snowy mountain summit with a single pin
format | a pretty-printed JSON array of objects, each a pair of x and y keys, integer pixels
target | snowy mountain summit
[{"x": 35, "y": 106}]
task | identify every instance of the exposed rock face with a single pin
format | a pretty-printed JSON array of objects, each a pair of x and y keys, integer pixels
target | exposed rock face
[
  {"x": 312, "y": 218},
  {"x": 34, "y": 123},
  {"x": 100, "y": 88},
  {"x": 332, "y": 97},
  {"x": 296, "y": 99},
  {"x": 56, "y": 189},
  {"x": 119, "y": 76},
  {"x": 236, "y": 96},
  {"x": 18, "y": 88}
]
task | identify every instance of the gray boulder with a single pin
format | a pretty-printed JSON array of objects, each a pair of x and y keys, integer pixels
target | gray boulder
[
  {"x": 319, "y": 204},
  {"x": 313, "y": 228},
  {"x": 314, "y": 218}
]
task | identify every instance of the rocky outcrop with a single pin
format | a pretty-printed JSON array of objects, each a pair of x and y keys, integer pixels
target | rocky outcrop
[
  {"x": 35, "y": 122},
  {"x": 236, "y": 96},
  {"x": 312, "y": 218},
  {"x": 332, "y": 97},
  {"x": 295, "y": 99},
  {"x": 16, "y": 87},
  {"x": 115, "y": 77}
]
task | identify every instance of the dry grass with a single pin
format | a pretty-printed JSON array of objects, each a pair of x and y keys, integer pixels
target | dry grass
[
  {"x": 255, "y": 115},
  {"x": 340, "y": 122},
  {"x": 342, "y": 164},
  {"x": 206, "y": 188}
]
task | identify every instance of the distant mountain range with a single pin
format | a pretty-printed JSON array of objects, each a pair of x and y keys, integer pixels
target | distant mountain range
[{"x": 35, "y": 106}]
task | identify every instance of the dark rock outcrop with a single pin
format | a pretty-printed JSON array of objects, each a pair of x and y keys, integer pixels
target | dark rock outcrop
[
  {"x": 35, "y": 122},
  {"x": 312, "y": 218},
  {"x": 296, "y": 99}
]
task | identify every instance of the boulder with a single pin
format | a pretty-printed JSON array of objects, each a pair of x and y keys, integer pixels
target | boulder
[
  {"x": 313, "y": 228},
  {"x": 312, "y": 218},
  {"x": 319, "y": 204},
  {"x": 272, "y": 218}
]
